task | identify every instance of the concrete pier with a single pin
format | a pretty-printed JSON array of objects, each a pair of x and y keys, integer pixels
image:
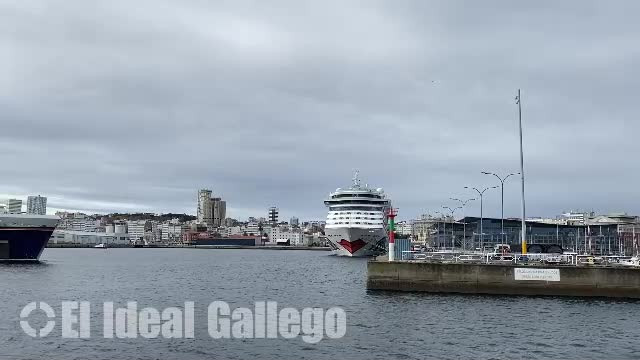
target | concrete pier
[{"x": 592, "y": 281}]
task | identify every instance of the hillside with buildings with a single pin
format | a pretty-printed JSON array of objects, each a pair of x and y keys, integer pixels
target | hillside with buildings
[{"x": 210, "y": 226}]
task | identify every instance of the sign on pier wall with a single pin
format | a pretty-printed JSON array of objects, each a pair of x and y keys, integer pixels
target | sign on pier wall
[{"x": 537, "y": 274}]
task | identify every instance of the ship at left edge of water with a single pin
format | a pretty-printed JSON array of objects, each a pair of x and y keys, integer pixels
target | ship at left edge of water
[{"x": 24, "y": 236}]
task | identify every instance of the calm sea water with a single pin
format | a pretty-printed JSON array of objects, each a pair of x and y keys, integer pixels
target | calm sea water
[{"x": 381, "y": 325}]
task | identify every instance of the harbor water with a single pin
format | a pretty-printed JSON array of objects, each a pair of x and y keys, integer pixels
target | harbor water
[{"x": 380, "y": 325}]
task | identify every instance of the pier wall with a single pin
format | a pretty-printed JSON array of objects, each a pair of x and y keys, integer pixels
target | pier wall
[{"x": 501, "y": 279}]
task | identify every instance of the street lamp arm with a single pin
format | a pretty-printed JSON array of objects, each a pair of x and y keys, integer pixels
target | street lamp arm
[
  {"x": 478, "y": 191},
  {"x": 494, "y": 174},
  {"x": 493, "y": 187},
  {"x": 506, "y": 177},
  {"x": 462, "y": 202},
  {"x": 502, "y": 180}
]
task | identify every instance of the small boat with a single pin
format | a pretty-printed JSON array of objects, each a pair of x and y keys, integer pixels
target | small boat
[
  {"x": 100, "y": 246},
  {"x": 634, "y": 261}
]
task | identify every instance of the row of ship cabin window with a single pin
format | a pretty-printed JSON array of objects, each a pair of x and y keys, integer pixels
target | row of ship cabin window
[
  {"x": 358, "y": 213},
  {"x": 347, "y": 223}
]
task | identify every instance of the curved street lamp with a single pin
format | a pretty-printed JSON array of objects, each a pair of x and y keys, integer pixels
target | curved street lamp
[
  {"x": 481, "y": 215},
  {"x": 444, "y": 225},
  {"x": 502, "y": 180},
  {"x": 463, "y": 204},
  {"x": 453, "y": 239}
]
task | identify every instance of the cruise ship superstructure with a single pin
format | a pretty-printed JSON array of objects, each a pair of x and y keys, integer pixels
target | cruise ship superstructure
[
  {"x": 356, "y": 222},
  {"x": 24, "y": 236}
]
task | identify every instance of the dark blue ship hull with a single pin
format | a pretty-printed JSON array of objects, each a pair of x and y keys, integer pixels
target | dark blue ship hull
[{"x": 23, "y": 244}]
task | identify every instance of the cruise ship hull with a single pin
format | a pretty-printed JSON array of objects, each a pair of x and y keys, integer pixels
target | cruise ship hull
[
  {"x": 23, "y": 238},
  {"x": 357, "y": 242}
]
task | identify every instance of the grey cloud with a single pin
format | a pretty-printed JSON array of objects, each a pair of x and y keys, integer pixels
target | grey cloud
[{"x": 120, "y": 105}]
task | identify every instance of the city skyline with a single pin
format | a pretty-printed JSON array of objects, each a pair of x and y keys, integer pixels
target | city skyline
[
  {"x": 418, "y": 97},
  {"x": 266, "y": 213}
]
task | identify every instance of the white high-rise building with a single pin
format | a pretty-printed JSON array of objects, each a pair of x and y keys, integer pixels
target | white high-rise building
[
  {"x": 14, "y": 206},
  {"x": 37, "y": 205},
  {"x": 205, "y": 214}
]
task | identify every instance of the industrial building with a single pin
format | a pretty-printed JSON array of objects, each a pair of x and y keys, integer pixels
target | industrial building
[
  {"x": 89, "y": 238},
  {"x": 195, "y": 238},
  {"x": 606, "y": 236}
]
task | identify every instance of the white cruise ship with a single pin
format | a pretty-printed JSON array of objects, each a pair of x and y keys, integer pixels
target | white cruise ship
[{"x": 356, "y": 223}]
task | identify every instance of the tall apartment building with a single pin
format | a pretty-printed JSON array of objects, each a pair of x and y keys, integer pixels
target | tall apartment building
[
  {"x": 37, "y": 205},
  {"x": 211, "y": 211},
  {"x": 14, "y": 206},
  {"x": 205, "y": 213},
  {"x": 219, "y": 211}
]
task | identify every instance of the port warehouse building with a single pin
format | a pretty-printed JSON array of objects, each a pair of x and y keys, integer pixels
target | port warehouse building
[
  {"x": 88, "y": 238},
  {"x": 599, "y": 236}
]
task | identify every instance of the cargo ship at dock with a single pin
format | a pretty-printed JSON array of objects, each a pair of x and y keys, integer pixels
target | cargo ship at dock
[
  {"x": 24, "y": 236},
  {"x": 356, "y": 221}
]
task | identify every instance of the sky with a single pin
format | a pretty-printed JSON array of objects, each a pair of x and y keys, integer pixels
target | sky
[{"x": 135, "y": 105}]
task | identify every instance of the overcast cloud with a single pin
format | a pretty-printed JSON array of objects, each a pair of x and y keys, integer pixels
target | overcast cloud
[{"x": 134, "y": 105}]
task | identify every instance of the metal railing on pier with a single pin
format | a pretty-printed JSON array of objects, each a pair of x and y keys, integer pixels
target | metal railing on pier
[{"x": 478, "y": 257}]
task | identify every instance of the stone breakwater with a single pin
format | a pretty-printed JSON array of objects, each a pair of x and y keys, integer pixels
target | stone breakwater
[{"x": 590, "y": 281}]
